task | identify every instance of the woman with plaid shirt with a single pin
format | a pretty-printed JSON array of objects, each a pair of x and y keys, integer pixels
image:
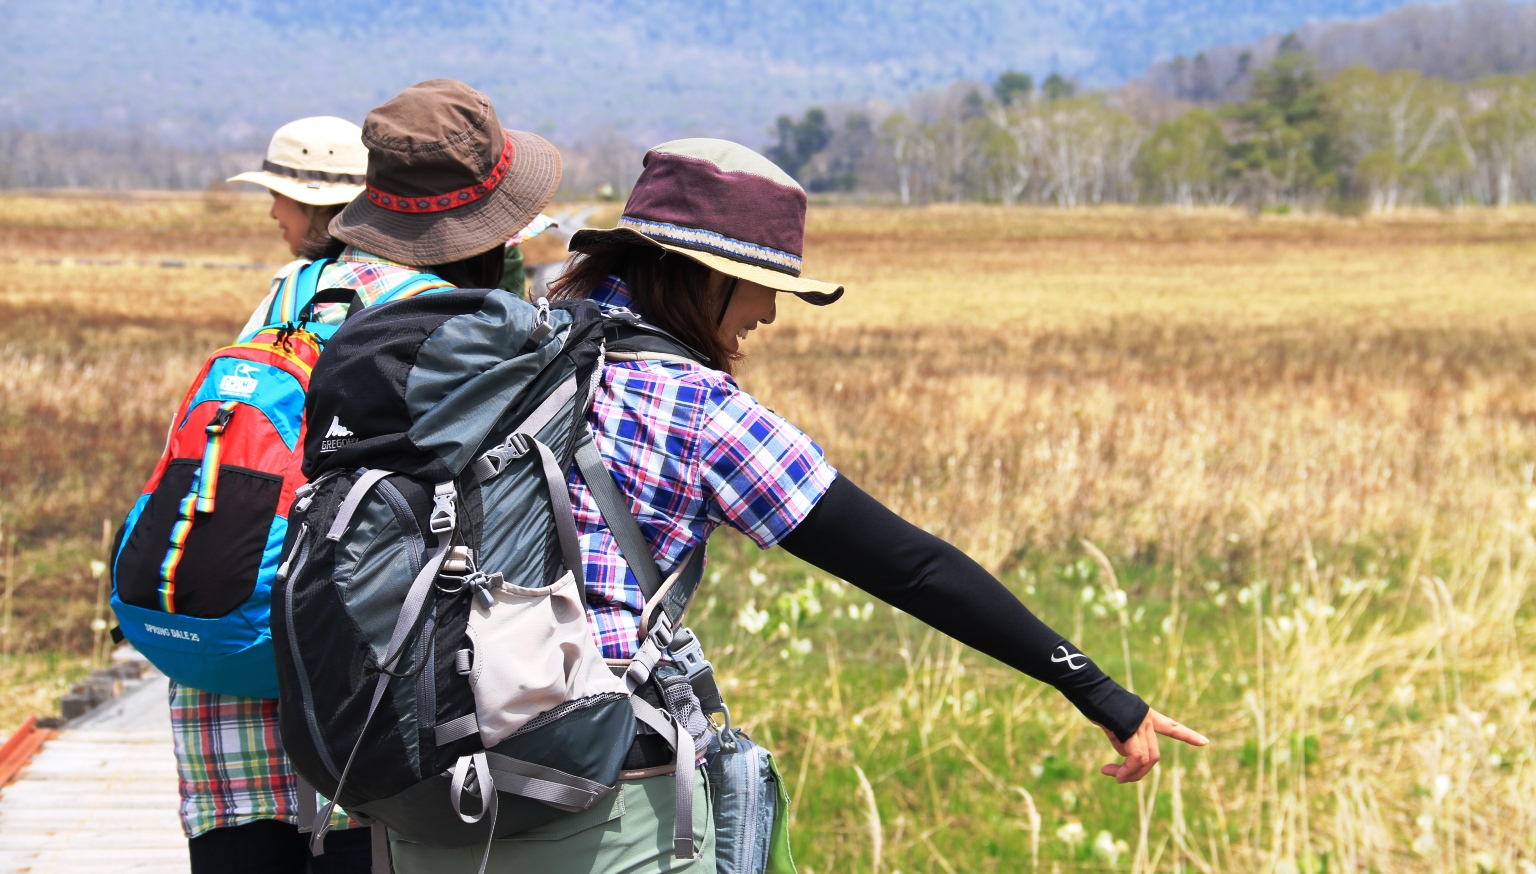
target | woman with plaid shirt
[{"x": 711, "y": 234}]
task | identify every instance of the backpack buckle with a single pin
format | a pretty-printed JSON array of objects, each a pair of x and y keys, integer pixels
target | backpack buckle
[
  {"x": 445, "y": 515},
  {"x": 661, "y": 631},
  {"x": 687, "y": 653}
]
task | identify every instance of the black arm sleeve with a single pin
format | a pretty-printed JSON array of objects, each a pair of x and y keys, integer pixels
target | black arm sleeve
[{"x": 854, "y": 536}]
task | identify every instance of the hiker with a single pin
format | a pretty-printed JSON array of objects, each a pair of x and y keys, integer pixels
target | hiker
[
  {"x": 314, "y": 167},
  {"x": 710, "y": 235},
  {"x": 446, "y": 187}
]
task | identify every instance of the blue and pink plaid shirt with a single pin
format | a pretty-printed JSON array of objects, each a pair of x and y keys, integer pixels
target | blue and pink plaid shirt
[{"x": 693, "y": 452}]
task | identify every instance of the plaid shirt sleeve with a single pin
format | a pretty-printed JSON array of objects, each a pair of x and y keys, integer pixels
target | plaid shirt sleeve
[{"x": 762, "y": 475}]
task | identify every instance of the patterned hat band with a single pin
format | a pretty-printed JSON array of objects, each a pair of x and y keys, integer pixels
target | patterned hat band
[
  {"x": 313, "y": 175},
  {"x": 439, "y": 202},
  {"x": 719, "y": 244}
]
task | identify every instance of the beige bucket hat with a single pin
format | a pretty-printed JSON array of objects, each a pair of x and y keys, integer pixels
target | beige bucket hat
[
  {"x": 445, "y": 180},
  {"x": 724, "y": 206},
  {"x": 320, "y": 161}
]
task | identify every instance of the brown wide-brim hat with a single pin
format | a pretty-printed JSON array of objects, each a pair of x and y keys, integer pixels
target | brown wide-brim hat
[
  {"x": 724, "y": 206},
  {"x": 445, "y": 180}
]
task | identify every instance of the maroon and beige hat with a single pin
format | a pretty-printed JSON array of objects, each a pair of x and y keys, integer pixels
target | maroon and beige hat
[
  {"x": 726, "y": 207},
  {"x": 445, "y": 181}
]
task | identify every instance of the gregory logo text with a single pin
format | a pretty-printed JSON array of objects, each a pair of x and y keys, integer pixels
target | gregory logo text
[{"x": 337, "y": 436}]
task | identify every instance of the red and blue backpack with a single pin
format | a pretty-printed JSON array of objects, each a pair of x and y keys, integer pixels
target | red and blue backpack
[{"x": 193, "y": 565}]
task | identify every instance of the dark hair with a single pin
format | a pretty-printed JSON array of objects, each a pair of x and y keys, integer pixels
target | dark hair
[
  {"x": 483, "y": 270},
  {"x": 670, "y": 290},
  {"x": 318, "y": 242}
]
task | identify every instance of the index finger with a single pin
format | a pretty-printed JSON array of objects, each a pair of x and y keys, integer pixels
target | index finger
[{"x": 1179, "y": 731}]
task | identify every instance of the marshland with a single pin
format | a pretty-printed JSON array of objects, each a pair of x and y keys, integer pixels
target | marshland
[{"x": 1276, "y": 473}]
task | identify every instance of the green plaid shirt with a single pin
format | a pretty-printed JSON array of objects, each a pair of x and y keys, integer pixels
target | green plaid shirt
[{"x": 230, "y": 762}]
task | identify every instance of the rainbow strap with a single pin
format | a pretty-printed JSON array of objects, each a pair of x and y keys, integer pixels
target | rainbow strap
[{"x": 199, "y": 499}]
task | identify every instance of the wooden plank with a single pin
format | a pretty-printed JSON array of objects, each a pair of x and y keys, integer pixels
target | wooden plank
[
  {"x": 83, "y": 859},
  {"x": 102, "y": 798}
]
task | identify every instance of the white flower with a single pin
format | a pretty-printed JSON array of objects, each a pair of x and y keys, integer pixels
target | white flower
[
  {"x": 98, "y": 568},
  {"x": 756, "y": 577},
  {"x": 1107, "y": 849},
  {"x": 751, "y": 619},
  {"x": 1088, "y": 594},
  {"x": 1072, "y": 833},
  {"x": 1117, "y": 599},
  {"x": 1442, "y": 787}
]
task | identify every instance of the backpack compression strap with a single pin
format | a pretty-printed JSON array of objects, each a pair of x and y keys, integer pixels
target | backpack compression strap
[{"x": 199, "y": 499}]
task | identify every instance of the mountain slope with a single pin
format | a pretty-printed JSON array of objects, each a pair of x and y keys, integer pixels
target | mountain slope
[{"x": 225, "y": 71}]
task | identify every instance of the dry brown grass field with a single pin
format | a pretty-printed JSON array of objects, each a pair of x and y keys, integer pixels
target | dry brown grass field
[{"x": 1302, "y": 448}]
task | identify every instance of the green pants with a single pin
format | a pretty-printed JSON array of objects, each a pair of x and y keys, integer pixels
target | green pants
[{"x": 629, "y": 832}]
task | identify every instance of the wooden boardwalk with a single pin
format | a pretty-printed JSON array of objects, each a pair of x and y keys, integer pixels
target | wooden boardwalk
[{"x": 100, "y": 795}]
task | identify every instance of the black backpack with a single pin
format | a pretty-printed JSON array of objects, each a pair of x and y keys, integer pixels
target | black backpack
[{"x": 429, "y": 616}]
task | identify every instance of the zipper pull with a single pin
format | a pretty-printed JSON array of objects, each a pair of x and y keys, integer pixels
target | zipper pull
[{"x": 542, "y": 326}]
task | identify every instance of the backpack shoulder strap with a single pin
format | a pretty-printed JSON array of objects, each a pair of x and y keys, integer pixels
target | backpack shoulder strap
[
  {"x": 421, "y": 283},
  {"x": 661, "y": 625},
  {"x": 628, "y": 337},
  {"x": 668, "y": 596},
  {"x": 621, "y": 522},
  {"x": 296, "y": 292}
]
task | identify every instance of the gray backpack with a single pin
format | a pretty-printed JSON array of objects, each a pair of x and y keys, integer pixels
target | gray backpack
[{"x": 436, "y": 668}]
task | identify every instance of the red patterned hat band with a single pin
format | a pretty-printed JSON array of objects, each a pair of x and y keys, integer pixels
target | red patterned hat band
[{"x": 439, "y": 202}]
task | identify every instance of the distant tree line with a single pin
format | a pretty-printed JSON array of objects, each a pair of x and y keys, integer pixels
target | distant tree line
[
  {"x": 114, "y": 160},
  {"x": 1359, "y": 138}
]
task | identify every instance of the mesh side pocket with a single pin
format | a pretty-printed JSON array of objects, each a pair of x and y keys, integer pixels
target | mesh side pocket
[{"x": 684, "y": 706}]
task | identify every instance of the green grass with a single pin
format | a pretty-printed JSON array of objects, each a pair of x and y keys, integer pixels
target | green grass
[{"x": 961, "y": 753}]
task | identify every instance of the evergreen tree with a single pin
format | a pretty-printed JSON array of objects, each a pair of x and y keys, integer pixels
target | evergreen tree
[
  {"x": 799, "y": 141},
  {"x": 1284, "y": 147},
  {"x": 1056, "y": 87},
  {"x": 1013, "y": 87}
]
